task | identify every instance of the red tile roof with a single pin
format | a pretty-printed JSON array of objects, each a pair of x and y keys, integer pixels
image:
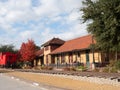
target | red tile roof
[
  {"x": 55, "y": 41},
  {"x": 75, "y": 44},
  {"x": 40, "y": 52}
]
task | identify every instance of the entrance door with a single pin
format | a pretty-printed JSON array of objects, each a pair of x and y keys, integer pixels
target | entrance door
[
  {"x": 70, "y": 58},
  {"x": 87, "y": 59},
  {"x": 53, "y": 60},
  {"x": 42, "y": 60}
]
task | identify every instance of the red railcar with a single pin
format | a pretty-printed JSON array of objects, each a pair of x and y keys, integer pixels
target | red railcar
[{"x": 7, "y": 58}]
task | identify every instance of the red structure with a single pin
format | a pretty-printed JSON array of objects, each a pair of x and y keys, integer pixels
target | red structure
[{"x": 8, "y": 59}]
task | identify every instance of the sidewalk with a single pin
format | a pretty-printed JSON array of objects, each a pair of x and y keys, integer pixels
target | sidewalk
[{"x": 62, "y": 82}]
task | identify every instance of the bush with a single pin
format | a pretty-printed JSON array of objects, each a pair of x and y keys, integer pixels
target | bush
[
  {"x": 19, "y": 65},
  {"x": 46, "y": 68},
  {"x": 27, "y": 67},
  {"x": 113, "y": 67},
  {"x": 113, "y": 70},
  {"x": 81, "y": 68},
  {"x": 117, "y": 65},
  {"x": 112, "y": 63},
  {"x": 106, "y": 69},
  {"x": 110, "y": 70}
]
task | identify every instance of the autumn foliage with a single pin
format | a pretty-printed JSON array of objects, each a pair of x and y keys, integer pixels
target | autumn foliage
[{"x": 27, "y": 51}]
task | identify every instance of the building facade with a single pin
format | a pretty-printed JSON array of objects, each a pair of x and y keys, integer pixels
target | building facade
[
  {"x": 43, "y": 55},
  {"x": 76, "y": 51}
]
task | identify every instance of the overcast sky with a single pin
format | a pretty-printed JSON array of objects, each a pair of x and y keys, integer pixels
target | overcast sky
[{"x": 40, "y": 20}]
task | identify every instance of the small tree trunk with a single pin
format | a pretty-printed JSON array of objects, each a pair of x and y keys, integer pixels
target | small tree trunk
[
  {"x": 116, "y": 55},
  {"x": 107, "y": 57}
]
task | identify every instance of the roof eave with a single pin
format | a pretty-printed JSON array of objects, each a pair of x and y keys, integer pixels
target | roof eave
[{"x": 70, "y": 51}]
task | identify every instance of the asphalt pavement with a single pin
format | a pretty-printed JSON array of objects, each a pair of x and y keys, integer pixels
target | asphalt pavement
[{"x": 12, "y": 83}]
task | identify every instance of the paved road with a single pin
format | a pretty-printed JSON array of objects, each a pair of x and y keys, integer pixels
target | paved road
[{"x": 11, "y": 83}]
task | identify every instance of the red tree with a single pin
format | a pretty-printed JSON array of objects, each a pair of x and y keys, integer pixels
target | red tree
[{"x": 27, "y": 51}]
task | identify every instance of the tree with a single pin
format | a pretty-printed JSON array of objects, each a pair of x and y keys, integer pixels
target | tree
[
  {"x": 7, "y": 48},
  {"x": 104, "y": 23},
  {"x": 27, "y": 51}
]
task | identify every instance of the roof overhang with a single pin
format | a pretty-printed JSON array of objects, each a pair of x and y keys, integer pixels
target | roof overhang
[{"x": 75, "y": 50}]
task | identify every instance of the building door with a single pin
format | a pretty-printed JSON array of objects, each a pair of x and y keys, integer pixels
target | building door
[
  {"x": 70, "y": 58},
  {"x": 52, "y": 59},
  {"x": 87, "y": 59},
  {"x": 42, "y": 60}
]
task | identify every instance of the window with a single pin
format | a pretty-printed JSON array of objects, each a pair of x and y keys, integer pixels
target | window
[
  {"x": 70, "y": 58},
  {"x": 78, "y": 54},
  {"x": 46, "y": 48},
  {"x": 47, "y": 59},
  {"x": 63, "y": 58}
]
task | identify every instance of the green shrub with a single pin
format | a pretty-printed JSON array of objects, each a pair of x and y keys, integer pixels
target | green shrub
[
  {"x": 113, "y": 67},
  {"x": 109, "y": 69},
  {"x": 106, "y": 69},
  {"x": 117, "y": 65},
  {"x": 27, "y": 67},
  {"x": 81, "y": 68},
  {"x": 112, "y": 63},
  {"x": 113, "y": 70},
  {"x": 19, "y": 65}
]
